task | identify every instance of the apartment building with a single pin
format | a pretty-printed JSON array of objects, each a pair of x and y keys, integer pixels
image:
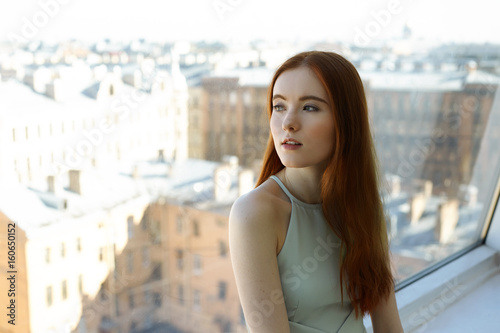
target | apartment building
[
  {"x": 231, "y": 118},
  {"x": 433, "y": 133},
  {"x": 69, "y": 117},
  {"x": 199, "y": 293},
  {"x": 173, "y": 272},
  {"x": 67, "y": 243}
]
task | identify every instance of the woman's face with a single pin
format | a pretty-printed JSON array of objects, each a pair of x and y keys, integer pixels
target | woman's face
[{"x": 302, "y": 119}]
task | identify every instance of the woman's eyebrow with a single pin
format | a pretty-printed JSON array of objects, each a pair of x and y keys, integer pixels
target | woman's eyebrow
[
  {"x": 316, "y": 98},
  {"x": 303, "y": 98},
  {"x": 279, "y": 96}
]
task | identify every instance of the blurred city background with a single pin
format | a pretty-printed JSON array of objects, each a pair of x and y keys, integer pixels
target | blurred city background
[{"x": 120, "y": 158}]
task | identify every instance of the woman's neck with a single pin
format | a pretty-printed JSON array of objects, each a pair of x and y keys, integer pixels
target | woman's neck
[{"x": 303, "y": 183}]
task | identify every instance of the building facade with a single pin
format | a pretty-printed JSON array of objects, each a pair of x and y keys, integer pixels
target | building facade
[{"x": 232, "y": 119}]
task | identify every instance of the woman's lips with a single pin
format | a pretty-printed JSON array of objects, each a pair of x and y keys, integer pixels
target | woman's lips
[{"x": 291, "y": 144}]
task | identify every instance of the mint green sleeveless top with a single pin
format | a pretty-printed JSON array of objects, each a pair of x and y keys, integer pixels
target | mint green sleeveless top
[{"x": 309, "y": 271}]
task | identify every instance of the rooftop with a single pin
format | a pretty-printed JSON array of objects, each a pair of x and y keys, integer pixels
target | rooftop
[{"x": 190, "y": 182}]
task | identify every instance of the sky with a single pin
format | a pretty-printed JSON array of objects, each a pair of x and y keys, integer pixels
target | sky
[{"x": 239, "y": 20}]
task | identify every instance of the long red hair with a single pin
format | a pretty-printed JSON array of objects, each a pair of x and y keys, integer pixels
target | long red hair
[{"x": 350, "y": 184}]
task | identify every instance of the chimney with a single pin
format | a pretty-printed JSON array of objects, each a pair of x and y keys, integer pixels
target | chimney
[
  {"x": 245, "y": 181},
  {"x": 54, "y": 185},
  {"x": 222, "y": 181},
  {"x": 133, "y": 79},
  {"x": 471, "y": 67},
  {"x": 136, "y": 172},
  {"x": 76, "y": 181},
  {"x": 161, "y": 156},
  {"x": 54, "y": 90},
  {"x": 468, "y": 195},
  {"x": 422, "y": 192},
  {"x": 417, "y": 207},
  {"x": 447, "y": 218},
  {"x": 427, "y": 188},
  {"x": 423, "y": 186},
  {"x": 394, "y": 183},
  {"x": 231, "y": 160},
  {"x": 40, "y": 79}
]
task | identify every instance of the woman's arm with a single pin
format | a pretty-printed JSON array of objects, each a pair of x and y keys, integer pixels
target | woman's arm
[
  {"x": 385, "y": 318},
  {"x": 253, "y": 243}
]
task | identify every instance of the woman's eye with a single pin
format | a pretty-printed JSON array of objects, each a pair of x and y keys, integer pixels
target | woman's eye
[
  {"x": 310, "y": 108},
  {"x": 278, "y": 107}
]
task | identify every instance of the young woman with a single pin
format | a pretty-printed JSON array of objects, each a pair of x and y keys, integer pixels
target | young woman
[{"x": 308, "y": 245}]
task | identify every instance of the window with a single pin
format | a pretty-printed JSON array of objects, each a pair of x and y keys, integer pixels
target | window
[
  {"x": 131, "y": 300},
  {"x": 117, "y": 306},
  {"x": 233, "y": 98},
  {"x": 179, "y": 224},
  {"x": 80, "y": 284},
  {"x": 157, "y": 299},
  {"x": 180, "y": 259},
  {"x": 48, "y": 295},
  {"x": 145, "y": 222},
  {"x": 101, "y": 254},
  {"x": 47, "y": 255},
  {"x": 64, "y": 289},
  {"x": 147, "y": 296},
  {"x": 104, "y": 294},
  {"x": 180, "y": 291},
  {"x": 196, "y": 300},
  {"x": 130, "y": 226},
  {"x": 63, "y": 250},
  {"x": 196, "y": 264},
  {"x": 247, "y": 98},
  {"x": 145, "y": 256},
  {"x": 196, "y": 228},
  {"x": 130, "y": 262},
  {"x": 222, "y": 290},
  {"x": 222, "y": 249}
]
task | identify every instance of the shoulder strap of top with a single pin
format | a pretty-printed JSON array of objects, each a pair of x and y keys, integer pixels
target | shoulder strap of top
[{"x": 283, "y": 187}]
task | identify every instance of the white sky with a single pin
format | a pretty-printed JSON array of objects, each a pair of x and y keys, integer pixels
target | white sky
[{"x": 169, "y": 20}]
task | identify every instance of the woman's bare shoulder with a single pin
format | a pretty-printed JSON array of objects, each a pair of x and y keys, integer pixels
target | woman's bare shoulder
[
  {"x": 256, "y": 203},
  {"x": 261, "y": 205}
]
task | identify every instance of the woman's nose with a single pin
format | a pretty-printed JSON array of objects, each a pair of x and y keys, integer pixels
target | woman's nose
[{"x": 290, "y": 122}]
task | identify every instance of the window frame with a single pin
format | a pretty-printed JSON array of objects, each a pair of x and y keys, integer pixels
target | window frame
[{"x": 449, "y": 280}]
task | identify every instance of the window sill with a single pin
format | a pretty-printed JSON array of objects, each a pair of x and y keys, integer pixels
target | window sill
[{"x": 427, "y": 301}]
